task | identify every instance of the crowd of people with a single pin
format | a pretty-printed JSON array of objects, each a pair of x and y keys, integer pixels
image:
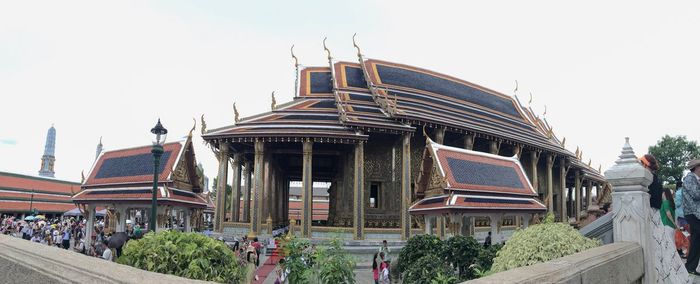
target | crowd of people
[
  {"x": 680, "y": 210},
  {"x": 65, "y": 233}
]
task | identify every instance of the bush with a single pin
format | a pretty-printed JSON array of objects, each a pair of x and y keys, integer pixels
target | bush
[
  {"x": 334, "y": 265},
  {"x": 297, "y": 259},
  {"x": 428, "y": 268},
  {"x": 486, "y": 255},
  {"x": 417, "y": 247},
  {"x": 461, "y": 252},
  {"x": 540, "y": 243},
  {"x": 189, "y": 255}
]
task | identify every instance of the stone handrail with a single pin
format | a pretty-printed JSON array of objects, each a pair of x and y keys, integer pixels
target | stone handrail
[
  {"x": 22, "y": 261},
  {"x": 621, "y": 262}
]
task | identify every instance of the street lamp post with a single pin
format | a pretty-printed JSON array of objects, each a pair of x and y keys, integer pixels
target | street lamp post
[{"x": 157, "y": 151}]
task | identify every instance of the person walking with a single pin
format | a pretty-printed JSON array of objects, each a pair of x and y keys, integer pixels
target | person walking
[
  {"x": 385, "y": 249},
  {"x": 375, "y": 268},
  {"x": 487, "y": 241},
  {"x": 691, "y": 209}
]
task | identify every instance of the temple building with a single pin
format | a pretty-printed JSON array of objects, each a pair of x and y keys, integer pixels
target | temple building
[
  {"x": 122, "y": 181},
  {"x": 362, "y": 127}
]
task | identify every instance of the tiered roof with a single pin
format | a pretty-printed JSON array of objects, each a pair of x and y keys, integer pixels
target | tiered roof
[
  {"x": 20, "y": 192},
  {"x": 126, "y": 176},
  {"x": 345, "y": 101},
  {"x": 472, "y": 181}
]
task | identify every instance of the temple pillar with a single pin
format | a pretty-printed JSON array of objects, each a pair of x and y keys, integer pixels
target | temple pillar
[
  {"x": 236, "y": 188},
  {"x": 526, "y": 220},
  {"x": 469, "y": 141},
  {"x": 494, "y": 220},
  {"x": 589, "y": 197},
  {"x": 121, "y": 218},
  {"x": 273, "y": 194},
  {"x": 428, "y": 224},
  {"x": 188, "y": 227},
  {"x": 406, "y": 187},
  {"x": 266, "y": 188},
  {"x": 577, "y": 189},
  {"x": 221, "y": 187},
  {"x": 358, "y": 215},
  {"x": 90, "y": 227},
  {"x": 562, "y": 188},
  {"x": 550, "y": 184},
  {"x": 440, "y": 139},
  {"x": 256, "y": 212},
  {"x": 307, "y": 190},
  {"x": 534, "y": 159},
  {"x": 247, "y": 173},
  {"x": 494, "y": 147}
]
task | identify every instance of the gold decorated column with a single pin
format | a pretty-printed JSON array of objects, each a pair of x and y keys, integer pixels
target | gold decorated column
[
  {"x": 256, "y": 212},
  {"x": 358, "y": 216},
  {"x": 236, "y": 188},
  {"x": 469, "y": 141},
  {"x": 307, "y": 190},
  {"x": 550, "y": 184},
  {"x": 440, "y": 139},
  {"x": 221, "y": 187},
  {"x": 534, "y": 160},
  {"x": 246, "y": 191},
  {"x": 589, "y": 198},
  {"x": 577, "y": 190},
  {"x": 562, "y": 188},
  {"x": 406, "y": 187}
]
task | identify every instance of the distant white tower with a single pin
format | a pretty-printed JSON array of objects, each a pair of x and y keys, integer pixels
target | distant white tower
[
  {"x": 49, "y": 157},
  {"x": 99, "y": 149}
]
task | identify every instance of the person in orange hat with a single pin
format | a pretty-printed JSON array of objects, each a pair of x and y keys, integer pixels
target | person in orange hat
[{"x": 691, "y": 209}]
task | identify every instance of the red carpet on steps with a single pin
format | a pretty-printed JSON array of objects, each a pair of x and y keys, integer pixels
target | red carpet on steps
[{"x": 269, "y": 265}]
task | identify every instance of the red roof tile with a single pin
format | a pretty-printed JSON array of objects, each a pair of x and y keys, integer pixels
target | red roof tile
[
  {"x": 43, "y": 207},
  {"x": 15, "y": 181}
]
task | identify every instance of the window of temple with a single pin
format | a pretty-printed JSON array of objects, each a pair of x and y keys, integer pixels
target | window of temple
[{"x": 374, "y": 195}]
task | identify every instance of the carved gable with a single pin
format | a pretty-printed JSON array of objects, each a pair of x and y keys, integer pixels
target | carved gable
[{"x": 185, "y": 175}]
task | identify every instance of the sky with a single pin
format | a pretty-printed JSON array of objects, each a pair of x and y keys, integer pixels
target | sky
[{"x": 604, "y": 69}]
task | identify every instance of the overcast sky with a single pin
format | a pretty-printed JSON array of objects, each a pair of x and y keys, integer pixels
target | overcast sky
[{"x": 605, "y": 69}]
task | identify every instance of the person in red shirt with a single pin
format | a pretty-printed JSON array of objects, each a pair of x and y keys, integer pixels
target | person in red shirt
[{"x": 258, "y": 248}]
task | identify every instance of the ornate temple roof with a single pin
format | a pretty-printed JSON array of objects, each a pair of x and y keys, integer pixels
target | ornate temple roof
[
  {"x": 20, "y": 192},
  {"x": 126, "y": 176},
  {"x": 465, "y": 180},
  {"x": 343, "y": 102}
]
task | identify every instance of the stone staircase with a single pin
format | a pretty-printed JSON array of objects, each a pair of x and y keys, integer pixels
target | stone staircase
[{"x": 363, "y": 251}]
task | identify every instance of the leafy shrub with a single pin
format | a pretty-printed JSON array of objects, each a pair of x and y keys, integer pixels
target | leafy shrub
[
  {"x": 540, "y": 243},
  {"x": 189, "y": 255},
  {"x": 334, "y": 265},
  {"x": 486, "y": 255},
  {"x": 297, "y": 259},
  {"x": 417, "y": 247},
  {"x": 428, "y": 268},
  {"x": 461, "y": 252}
]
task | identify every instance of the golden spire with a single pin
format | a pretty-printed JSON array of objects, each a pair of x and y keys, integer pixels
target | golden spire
[
  {"x": 236, "y": 119},
  {"x": 204, "y": 125},
  {"x": 530, "y": 101},
  {"x": 82, "y": 176},
  {"x": 577, "y": 152},
  {"x": 545, "y": 111},
  {"x": 189, "y": 135},
  {"x": 515, "y": 91},
  {"x": 273, "y": 106},
  {"x": 296, "y": 61},
  {"x": 326, "y": 49},
  {"x": 359, "y": 54},
  {"x": 563, "y": 142},
  {"x": 599, "y": 167},
  {"x": 589, "y": 162}
]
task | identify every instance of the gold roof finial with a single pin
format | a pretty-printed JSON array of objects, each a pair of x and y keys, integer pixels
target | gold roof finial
[
  {"x": 545, "y": 111},
  {"x": 189, "y": 135},
  {"x": 204, "y": 125},
  {"x": 563, "y": 142},
  {"x": 577, "y": 152},
  {"x": 236, "y": 119},
  {"x": 515, "y": 91},
  {"x": 359, "y": 54},
  {"x": 530, "y": 101},
  {"x": 273, "y": 106},
  {"x": 82, "y": 176},
  {"x": 296, "y": 61},
  {"x": 599, "y": 167},
  {"x": 326, "y": 48},
  {"x": 589, "y": 162}
]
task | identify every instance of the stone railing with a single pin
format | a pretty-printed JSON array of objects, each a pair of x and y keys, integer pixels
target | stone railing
[
  {"x": 633, "y": 256},
  {"x": 621, "y": 262},
  {"x": 22, "y": 261}
]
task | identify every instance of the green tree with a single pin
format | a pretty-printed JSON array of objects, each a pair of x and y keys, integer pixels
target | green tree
[
  {"x": 673, "y": 153},
  {"x": 461, "y": 252}
]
